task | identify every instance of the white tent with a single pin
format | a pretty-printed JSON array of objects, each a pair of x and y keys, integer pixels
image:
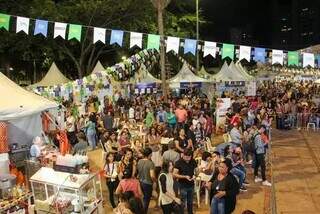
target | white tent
[
  {"x": 204, "y": 74},
  {"x": 21, "y": 109},
  {"x": 243, "y": 71},
  {"x": 186, "y": 75},
  {"x": 239, "y": 74},
  {"x": 145, "y": 77},
  {"x": 317, "y": 81},
  {"x": 226, "y": 74},
  {"x": 53, "y": 77},
  {"x": 98, "y": 68}
]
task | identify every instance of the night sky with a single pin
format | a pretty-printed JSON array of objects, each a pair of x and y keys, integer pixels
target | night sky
[{"x": 223, "y": 15}]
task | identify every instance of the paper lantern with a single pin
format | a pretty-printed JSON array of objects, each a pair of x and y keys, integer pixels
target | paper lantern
[{"x": 4, "y": 137}]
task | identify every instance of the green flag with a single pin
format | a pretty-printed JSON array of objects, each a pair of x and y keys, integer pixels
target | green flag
[
  {"x": 75, "y": 32},
  {"x": 293, "y": 58},
  {"x": 153, "y": 41},
  {"x": 4, "y": 21},
  {"x": 228, "y": 51}
]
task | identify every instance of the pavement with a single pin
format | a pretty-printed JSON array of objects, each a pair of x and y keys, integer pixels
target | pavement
[{"x": 294, "y": 166}]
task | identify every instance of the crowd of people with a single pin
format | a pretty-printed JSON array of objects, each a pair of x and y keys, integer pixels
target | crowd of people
[{"x": 158, "y": 150}]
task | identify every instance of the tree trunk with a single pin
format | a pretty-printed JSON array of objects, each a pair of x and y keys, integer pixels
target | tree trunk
[{"x": 162, "y": 51}]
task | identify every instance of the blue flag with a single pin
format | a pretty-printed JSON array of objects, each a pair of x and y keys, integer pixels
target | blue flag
[
  {"x": 116, "y": 37},
  {"x": 260, "y": 55},
  {"x": 41, "y": 27},
  {"x": 318, "y": 60},
  {"x": 190, "y": 45}
]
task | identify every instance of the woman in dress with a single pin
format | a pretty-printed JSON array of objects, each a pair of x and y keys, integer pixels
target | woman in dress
[{"x": 111, "y": 175}]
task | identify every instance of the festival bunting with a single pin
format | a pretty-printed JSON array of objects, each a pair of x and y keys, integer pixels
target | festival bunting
[
  {"x": 277, "y": 57},
  {"x": 245, "y": 53},
  {"x": 318, "y": 60},
  {"x": 99, "y": 34},
  {"x": 228, "y": 51},
  {"x": 60, "y": 30},
  {"x": 22, "y": 24},
  {"x": 210, "y": 48},
  {"x": 116, "y": 37},
  {"x": 4, "y": 21},
  {"x": 308, "y": 59},
  {"x": 190, "y": 45},
  {"x": 293, "y": 58},
  {"x": 135, "y": 39},
  {"x": 260, "y": 55},
  {"x": 75, "y": 32},
  {"x": 153, "y": 41},
  {"x": 41, "y": 27},
  {"x": 173, "y": 44}
]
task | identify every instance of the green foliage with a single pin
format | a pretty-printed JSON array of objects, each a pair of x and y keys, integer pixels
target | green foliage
[{"x": 78, "y": 58}]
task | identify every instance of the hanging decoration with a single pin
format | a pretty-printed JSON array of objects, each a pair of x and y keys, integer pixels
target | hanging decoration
[
  {"x": 210, "y": 48},
  {"x": 22, "y": 24},
  {"x": 293, "y": 58}
]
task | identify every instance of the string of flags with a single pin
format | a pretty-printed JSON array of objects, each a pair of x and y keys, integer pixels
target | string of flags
[{"x": 74, "y": 31}]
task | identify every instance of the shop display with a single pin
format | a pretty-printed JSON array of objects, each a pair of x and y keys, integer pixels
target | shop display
[
  {"x": 66, "y": 193},
  {"x": 13, "y": 198}
]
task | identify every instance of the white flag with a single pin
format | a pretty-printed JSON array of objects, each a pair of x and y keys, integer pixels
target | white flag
[
  {"x": 99, "y": 34},
  {"x": 23, "y": 24},
  {"x": 210, "y": 48},
  {"x": 60, "y": 30},
  {"x": 308, "y": 59},
  {"x": 245, "y": 53},
  {"x": 277, "y": 57},
  {"x": 173, "y": 43},
  {"x": 135, "y": 39}
]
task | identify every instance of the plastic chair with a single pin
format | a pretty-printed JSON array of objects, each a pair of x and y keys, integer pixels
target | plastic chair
[{"x": 311, "y": 125}]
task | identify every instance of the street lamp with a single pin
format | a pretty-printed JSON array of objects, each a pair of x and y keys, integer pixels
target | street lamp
[{"x": 197, "y": 12}]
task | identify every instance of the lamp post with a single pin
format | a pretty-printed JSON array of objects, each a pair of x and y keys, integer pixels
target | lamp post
[{"x": 197, "y": 14}]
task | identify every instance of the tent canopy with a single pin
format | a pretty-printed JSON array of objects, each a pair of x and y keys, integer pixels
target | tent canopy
[
  {"x": 17, "y": 102},
  {"x": 317, "y": 81},
  {"x": 186, "y": 75},
  {"x": 53, "y": 77},
  {"x": 204, "y": 74},
  {"x": 229, "y": 73},
  {"x": 98, "y": 68},
  {"x": 243, "y": 71}
]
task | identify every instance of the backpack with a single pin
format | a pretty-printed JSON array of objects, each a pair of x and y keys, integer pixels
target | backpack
[{"x": 252, "y": 146}]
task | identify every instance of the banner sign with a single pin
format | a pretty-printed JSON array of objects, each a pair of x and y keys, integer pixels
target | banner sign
[
  {"x": 222, "y": 108},
  {"x": 235, "y": 84},
  {"x": 251, "y": 88},
  {"x": 186, "y": 85}
]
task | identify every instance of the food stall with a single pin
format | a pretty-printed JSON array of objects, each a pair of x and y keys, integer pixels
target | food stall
[{"x": 62, "y": 192}]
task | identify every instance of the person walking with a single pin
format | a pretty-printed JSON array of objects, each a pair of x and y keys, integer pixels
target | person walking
[
  {"x": 146, "y": 175},
  {"x": 167, "y": 197},
  {"x": 111, "y": 174},
  {"x": 184, "y": 170},
  {"x": 260, "y": 158}
]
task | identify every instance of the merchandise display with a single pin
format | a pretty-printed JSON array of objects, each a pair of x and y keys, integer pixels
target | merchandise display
[{"x": 66, "y": 193}]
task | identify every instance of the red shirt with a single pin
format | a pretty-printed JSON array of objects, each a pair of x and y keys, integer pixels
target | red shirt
[{"x": 131, "y": 184}]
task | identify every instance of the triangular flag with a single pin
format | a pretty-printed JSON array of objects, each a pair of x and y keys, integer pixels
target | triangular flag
[
  {"x": 260, "y": 55},
  {"x": 22, "y": 24},
  {"x": 210, "y": 48},
  {"x": 293, "y": 58},
  {"x": 75, "y": 32},
  {"x": 153, "y": 41},
  {"x": 277, "y": 57},
  {"x": 60, "y": 30},
  {"x": 245, "y": 53},
  {"x": 116, "y": 37},
  {"x": 190, "y": 45},
  {"x": 135, "y": 39},
  {"x": 308, "y": 59},
  {"x": 228, "y": 51},
  {"x": 318, "y": 60},
  {"x": 173, "y": 43},
  {"x": 41, "y": 27},
  {"x": 4, "y": 21},
  {"x": 99, "y": 34}
]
